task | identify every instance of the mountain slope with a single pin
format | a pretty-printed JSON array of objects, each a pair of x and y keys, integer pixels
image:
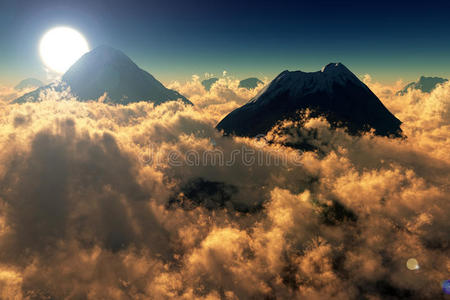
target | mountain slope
[
  {"x": 107, "y": 70},
  {"x": 250, "y": 83},
  {"x": 333, "y": 92},
  {"x": 424, "y": 84}
]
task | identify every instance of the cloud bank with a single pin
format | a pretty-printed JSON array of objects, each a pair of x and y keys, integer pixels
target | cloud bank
[
  {"x": 96, "y": 203},
  {"x": 223, "y": 97}
]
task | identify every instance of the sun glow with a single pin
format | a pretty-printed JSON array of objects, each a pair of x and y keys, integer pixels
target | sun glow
[{"x": 61, "y": 47}]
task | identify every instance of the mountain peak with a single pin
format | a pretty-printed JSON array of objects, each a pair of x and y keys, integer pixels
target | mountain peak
[
  {"x": 105, "y": 47},
  {"x": 107, "y": 52},
  {"x": 28, "y": 83},
  {"x": 100, "y": 57},
  {"x": 304, "y": 83},
  {"x": 424, "y": 84},
  {"x": 436, "y": 79},
  {"x": 108, "y": 70},
  {"x": 250, "y": 83},
  {"x": 333, "y": 67},
  {"x": 334, "y": 92},
  {"x": 207, "y": 83}
]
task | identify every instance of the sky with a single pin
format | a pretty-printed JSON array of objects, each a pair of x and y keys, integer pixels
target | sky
[{"x": 175, "y": 39}]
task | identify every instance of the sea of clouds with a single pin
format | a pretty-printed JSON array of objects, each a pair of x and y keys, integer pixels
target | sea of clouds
[{"x": 98, "y": 202}]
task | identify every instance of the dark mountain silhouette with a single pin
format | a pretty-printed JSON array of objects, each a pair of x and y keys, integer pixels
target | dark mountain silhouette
[
  {"x": 106, "y": 69},
  {"x": 250, "y": 83},
  {"x": 333, "y": 92},
  {"x": 28, "y": 83},
  {"x": 425, "y": 84},
  {"x": 207, "y": 83}
]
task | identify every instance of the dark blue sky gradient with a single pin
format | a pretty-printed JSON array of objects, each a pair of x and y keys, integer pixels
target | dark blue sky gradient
[{"x": 175, "y": 39}]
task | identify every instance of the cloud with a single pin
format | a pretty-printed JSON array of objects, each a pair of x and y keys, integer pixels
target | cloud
[
  {"x": 224, "y": 96},
  {"x": 8, "y": 93},
  {"x": 426, "y": 117},
  {"x": 85, "y": 193}
]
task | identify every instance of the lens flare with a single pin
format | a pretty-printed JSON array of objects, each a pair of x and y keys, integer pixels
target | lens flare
[
  {"x": 412, "y": 264},
  {"x": 446, "y": 286}
]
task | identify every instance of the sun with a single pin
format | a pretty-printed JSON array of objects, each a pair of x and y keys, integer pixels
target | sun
[{"x": 61, "y": 47}]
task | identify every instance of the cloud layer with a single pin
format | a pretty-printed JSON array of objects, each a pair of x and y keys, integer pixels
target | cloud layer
[{"x": 98, "y": 202}]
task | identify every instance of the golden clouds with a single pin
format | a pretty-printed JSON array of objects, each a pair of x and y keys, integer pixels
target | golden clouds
[{"x": 85, "y": 213}]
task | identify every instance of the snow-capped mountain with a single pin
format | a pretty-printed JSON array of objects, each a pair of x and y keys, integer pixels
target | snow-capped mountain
[
  {"x": 250, "y": 83},
  {"x": 424, "y": 84},
  {"x": 107, "y": 70},
  {"x": 333, "y": 92}
]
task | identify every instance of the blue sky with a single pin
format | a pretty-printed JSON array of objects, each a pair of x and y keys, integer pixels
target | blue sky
[{"x": 175, "y": 39}]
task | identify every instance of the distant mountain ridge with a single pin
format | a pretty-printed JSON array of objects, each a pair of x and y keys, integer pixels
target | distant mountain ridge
[
  {"x": 107, "y": 70},
  {"x": 333, "y": 92},
  {"x": 207, "y": 83},
  {"x": 28, "y": 83},
  {"x": 424, "y": 84},
  {"x": 250, "y": 83}
]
